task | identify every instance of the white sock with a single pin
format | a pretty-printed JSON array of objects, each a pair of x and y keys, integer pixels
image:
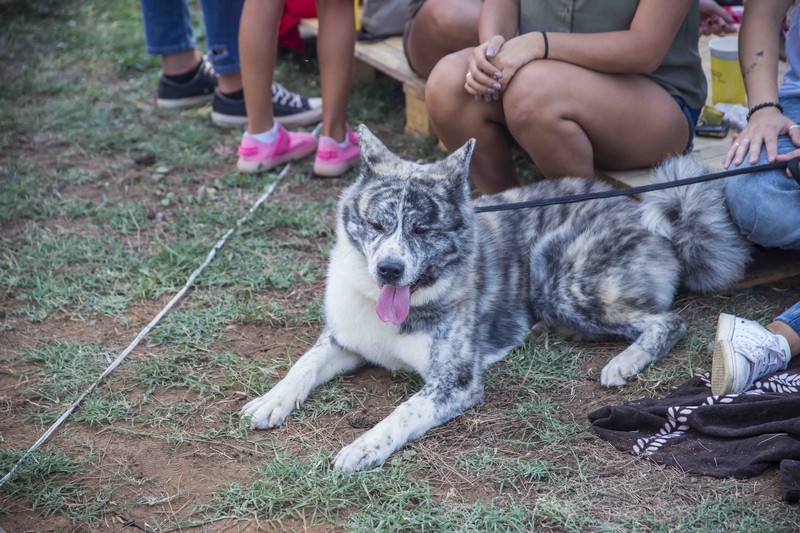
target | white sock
[{"x": 266, "y": 137}]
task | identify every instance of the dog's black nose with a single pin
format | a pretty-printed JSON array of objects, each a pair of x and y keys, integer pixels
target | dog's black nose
[{"x": 390, "y": 271}]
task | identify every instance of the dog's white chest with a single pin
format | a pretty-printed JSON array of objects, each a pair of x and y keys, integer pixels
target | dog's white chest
[{"x": 356, "y": 326}]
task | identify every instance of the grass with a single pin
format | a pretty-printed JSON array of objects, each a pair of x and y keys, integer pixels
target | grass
[{"x": 107, "y": 205}]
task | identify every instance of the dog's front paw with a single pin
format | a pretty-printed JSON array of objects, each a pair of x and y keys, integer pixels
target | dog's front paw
[
  {"x": 270, "y": 410},
  {"x": 624, "y": 366},
  {"x": 360, "y": 456}
]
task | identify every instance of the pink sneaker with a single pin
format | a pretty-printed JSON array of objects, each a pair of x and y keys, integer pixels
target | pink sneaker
[
  {"x": 255, "y": 156},
  {"x": 333, "y": 160}
]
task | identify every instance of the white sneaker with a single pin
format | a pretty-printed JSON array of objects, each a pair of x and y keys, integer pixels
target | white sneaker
[{"x": 744, "y": 351}]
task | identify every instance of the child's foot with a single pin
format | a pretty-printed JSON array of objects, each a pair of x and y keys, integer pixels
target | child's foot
[
  {"x": 744, "y": 351},
  {"x": 256, "y": 156},
  {"x": 194, "y": 92},
  {"x": 334, "y": 158}
]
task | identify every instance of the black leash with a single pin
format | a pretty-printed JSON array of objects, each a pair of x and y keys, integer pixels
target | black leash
[{"x": 793, "y": 165}]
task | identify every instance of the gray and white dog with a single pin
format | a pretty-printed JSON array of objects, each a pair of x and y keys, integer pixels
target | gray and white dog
[{"x": 418, "y": 281}]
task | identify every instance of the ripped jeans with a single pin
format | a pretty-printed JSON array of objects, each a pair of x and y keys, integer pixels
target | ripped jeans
[{"x": 168, "y": 30}]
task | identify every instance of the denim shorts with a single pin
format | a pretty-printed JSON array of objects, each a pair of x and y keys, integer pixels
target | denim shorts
[{"x": 692, "y": 115}]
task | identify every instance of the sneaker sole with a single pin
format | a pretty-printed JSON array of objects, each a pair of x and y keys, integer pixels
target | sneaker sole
[
  {"x": 333, "y": 171},
  {"x": 258, "y": 166},
  {"x": 227, "y": 121},
  {"x": 721, "y": 364},
  {"x": 301, "y": 119},
  {"x": 181, "y": 103}
]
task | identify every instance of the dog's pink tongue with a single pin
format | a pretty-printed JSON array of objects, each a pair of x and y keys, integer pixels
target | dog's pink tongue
[{"x": 393, "y": 304}]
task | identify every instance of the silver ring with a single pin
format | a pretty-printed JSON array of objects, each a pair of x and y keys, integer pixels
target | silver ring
[{"x": 793, "y": 126}]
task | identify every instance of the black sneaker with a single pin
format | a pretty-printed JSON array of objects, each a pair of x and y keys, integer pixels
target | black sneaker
[
  {"x": 195, "y": 92},
  {"x": 228, "y": 112},
  {"x": 291, "y": 109}
]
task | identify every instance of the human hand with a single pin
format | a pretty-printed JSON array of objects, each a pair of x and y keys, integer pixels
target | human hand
[
  {"x": 762, "y": 129},
  {"x": 481, "y": 77},
  {"x": 715, "y": 18},
  {"x": 516, "y": 53}
]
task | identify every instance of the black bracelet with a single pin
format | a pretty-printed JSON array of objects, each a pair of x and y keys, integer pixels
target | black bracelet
[
  {"x": 546, "y": 45},
  {"x": 762, "y": 106}
]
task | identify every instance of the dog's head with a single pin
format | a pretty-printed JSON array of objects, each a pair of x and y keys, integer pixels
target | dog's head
[{"x": 413, "y": 223}]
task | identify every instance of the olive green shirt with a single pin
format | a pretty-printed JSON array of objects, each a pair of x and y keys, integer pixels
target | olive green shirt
[{"x": 680, "y": 73}]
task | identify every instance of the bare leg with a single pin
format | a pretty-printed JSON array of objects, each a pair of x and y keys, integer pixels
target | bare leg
[
  {"x": 441, "y": 27},
  {"x": 570, "y": 119},
  {"x": 783, "y": 329},
  {"x": 258, "y": 48},
  {"x": 457, "y": 117},
  {"x": 180, "y": 63},
  {"x": 230, "y": 83},
  {"x": 335, "y": 44}
]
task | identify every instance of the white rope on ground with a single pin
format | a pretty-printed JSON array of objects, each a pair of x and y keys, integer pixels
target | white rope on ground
[{"x": 175, "y": 299}]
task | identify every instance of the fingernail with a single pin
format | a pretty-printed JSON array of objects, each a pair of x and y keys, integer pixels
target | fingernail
[
  {"x": 496, "y": 85},
  {"x": 477, "y": 97},
  {"x": 498, "y": 74},
  {"x": 489, "y": 90},
  {"x": 491, "y": 52}
]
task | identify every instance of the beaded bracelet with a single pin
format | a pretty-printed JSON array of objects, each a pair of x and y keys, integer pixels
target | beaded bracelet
[{"x": 762, "y": 106}]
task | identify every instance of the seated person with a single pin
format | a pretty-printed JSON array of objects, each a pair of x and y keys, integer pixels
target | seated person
[{"x": 616, "y": 88}]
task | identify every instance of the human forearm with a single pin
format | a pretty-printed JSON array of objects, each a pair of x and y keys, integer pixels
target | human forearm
[
  {"x": 641, "y": 48},
  {"x": 498, "y": 17},
  {"x": 758, "y": 48}
]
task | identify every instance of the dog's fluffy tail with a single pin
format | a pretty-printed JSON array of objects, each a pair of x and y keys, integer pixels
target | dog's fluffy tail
[{"x": 695, "y": 218}]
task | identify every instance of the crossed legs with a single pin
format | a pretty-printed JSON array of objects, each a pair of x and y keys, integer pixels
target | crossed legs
[{"x": 567, "y": 118}]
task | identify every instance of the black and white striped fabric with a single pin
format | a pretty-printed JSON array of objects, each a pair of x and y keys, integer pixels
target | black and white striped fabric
[{"x": 736, "y": 435}]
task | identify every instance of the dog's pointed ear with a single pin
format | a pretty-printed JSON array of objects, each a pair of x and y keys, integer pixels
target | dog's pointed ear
[
  {"x": 375, "y": 156},
  {"x": 457, "y": 163}
]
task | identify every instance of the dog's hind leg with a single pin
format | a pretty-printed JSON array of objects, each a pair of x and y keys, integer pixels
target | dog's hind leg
[
  {"x": 317, "y": 366},
  {"x": 659, "y": 334},
  {"x": 437, "y": 402}
]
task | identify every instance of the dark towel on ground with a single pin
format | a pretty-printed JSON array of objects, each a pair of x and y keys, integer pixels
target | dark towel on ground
[{"x": 738, "y": 435}]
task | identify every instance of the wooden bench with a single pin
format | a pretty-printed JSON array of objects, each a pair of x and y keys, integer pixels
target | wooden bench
[{"x": 387, "y": 56}]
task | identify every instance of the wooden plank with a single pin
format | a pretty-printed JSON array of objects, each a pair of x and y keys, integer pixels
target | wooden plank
[{"x": 770, "y": 265}]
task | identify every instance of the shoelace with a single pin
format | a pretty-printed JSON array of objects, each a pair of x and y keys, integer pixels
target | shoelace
[
  {"x": 285, "y": 97},
  {"x": 766, "y": 357},
  {"x": 207, "y": 67}
]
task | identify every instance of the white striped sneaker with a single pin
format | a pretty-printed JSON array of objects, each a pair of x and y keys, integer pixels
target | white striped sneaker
[{"x": 744, "y": 351}]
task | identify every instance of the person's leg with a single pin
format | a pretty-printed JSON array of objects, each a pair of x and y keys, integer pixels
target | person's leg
[
  {"x": 265, "y": 144},
  {"x": 335, "y": 46},
  {"x": 168, "y": 33},
  {"x": 258, "y": 48},
  {"x": 187, "y": 79},
  {"x": 221, "y": 19},
  {"x": 570, "y": 119},
  {"x": 745, "y": 351},
  {"x": 439, "y": 28},
  {"x": 338, "y": 149},
  {"x": 766, "y": 205},
  {"x": 457, "y": 117}
]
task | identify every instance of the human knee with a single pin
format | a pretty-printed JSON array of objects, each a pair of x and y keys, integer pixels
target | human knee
[
  {"x": 528, "y": 99},
  {"x": 444, "y": 85},
  {"x": 765, "y": 215},
  {"x": 445, "y": 21}
]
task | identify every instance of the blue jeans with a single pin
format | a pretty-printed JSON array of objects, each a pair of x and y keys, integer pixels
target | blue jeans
[
  {"x": 167, "y": 30},
  {"x": 791, "y": 317},
  {"x": 766, "y": 205}
]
